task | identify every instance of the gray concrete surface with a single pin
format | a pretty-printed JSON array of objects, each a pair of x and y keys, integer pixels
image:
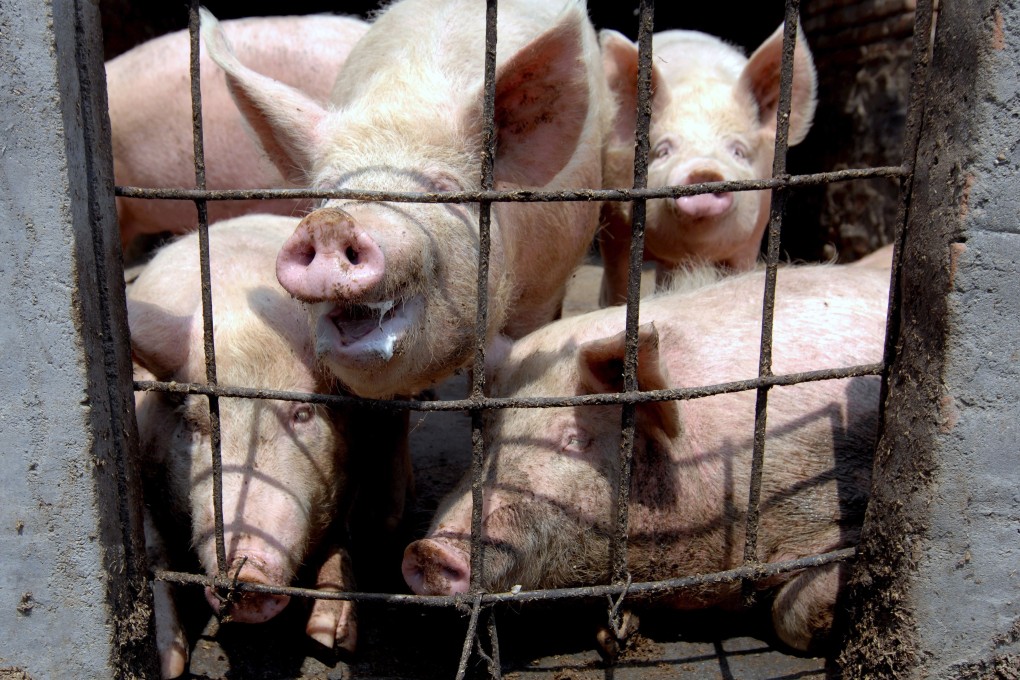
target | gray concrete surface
[
  {"x": 937, "y": 592},
  {"x": 73, "y": 600}
]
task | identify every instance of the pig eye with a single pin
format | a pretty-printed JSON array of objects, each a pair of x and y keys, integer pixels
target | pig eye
[
  {"x": 661, "y": 150},
  {"x": 739, "y": 151},
  {"x": 302, "y": 414},
  {"x": 575, "y": 442},
  {"x": 444, "y": 182}
]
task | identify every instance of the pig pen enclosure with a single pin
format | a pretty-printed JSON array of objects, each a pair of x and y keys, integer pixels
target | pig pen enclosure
[{"x": 934, "y": 582}]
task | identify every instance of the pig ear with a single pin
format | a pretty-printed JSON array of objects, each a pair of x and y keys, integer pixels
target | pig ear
[
  {"x": 542, "y": 100},
  {"x": 620, "y": 64},
  {"x": 761, "y": 79},
  {"x": 286, "y": 121},
  {"x": 159, "y": 339},
  {"x": 601, "y": 364}
]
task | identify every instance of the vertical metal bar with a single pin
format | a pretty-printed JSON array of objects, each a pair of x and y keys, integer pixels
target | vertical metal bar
[
  {"x": 207, "y": 311},
  {"x": 923, "y": 29},
  {"x": 494, "y": 663},
  {"x": 618, "y": 553},
  {"x": 772, "y": 261},
  {"x": 469, "y": 636},
  {"x": 484, "y": 222}
]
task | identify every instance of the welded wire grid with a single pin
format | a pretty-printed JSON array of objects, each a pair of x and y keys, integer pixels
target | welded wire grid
[{"x": 479, "y": 603}]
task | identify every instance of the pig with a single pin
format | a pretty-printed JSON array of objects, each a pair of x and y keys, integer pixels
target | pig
[
  {"x": 286, "y": 464},
  {"x": 550, "y": 475},
  {"x": 150, "y": 116},
  {"x": 391, "y": 287},
  {"x": 713, "y": 120}
]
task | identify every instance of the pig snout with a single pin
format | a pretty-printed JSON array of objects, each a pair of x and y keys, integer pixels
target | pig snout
[
  {"x": 435, "y": 568},
  {"x": 249, "y": 607},
  {"x": 701, "y": 206},
  {"x": 329, "y": 258}
]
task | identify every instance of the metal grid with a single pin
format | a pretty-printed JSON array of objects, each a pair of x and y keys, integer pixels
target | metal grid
[{"x": 477, "y": 403}]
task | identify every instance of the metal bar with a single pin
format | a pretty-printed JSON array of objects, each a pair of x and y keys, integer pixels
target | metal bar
[
  {"x": 481, "y": 320},
  {"x": 656, "y": 588},
  {"x": 515, "y": 195},
  {"x": 618, "y": 547},
  {"x": 469, "y": 636},
  {"x": 207, "y": 311},
  {"x": 671, "y": 394},
  {"x": 769, "y": 297}
]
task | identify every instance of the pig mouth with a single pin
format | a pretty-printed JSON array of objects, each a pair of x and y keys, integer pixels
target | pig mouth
[{"x": 366, "y": 331}]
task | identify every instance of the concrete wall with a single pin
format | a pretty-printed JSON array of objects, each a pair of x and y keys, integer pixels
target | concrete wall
[
  {"x": 73, "y": 600},
  {"x": 937, "y": 591}
]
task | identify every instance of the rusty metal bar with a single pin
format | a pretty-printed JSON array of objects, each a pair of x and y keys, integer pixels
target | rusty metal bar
[
  {"x": 618, "y": 546},
  {"x": 671, "y": 394},
  {"x": 207, "y": 311},
  {"x": 657, "y": 588},
  {"x": 481, "y": 321},
  {"x": 470, "y": 636},
  {"x": 768, "y": 304},
  {"x": 515, "y": 195}
]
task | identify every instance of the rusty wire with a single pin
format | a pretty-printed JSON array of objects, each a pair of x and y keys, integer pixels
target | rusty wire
[
  {"x": 479, "y": 602},
  {"x": 778, "y": 205},
  {"x": 649, "y": 588},
  {"x": 207, "y": 310},
  {"x": 514, "y": 195},
  {"x": 477, "y": 562}
]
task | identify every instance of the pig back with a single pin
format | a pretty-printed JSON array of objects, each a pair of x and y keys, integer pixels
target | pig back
[{"x": 150, "y": 114}]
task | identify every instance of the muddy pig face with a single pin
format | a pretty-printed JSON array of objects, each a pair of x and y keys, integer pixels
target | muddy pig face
[
  {"x": 550, "y": 476},
  {"x": 713, "y": 120},
  {"x": 281, "y": 465}
]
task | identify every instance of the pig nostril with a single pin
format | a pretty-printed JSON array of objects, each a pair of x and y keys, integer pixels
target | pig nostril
[
  {"x": 304, "y": 256},
  {"x": 352, "y": 255}
]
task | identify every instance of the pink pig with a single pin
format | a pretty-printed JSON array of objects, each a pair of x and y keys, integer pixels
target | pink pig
[
  {"x": 391, "y": 287},
  {"x": 285, "y": 463},
  {"x": 150, "y": 114},
  {"x": 550, "y": 474},
  {"x": 713, "y": 120}
]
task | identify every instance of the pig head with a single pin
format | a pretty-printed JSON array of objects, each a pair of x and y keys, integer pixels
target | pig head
[
  {"x": 284, "y": 463},
  {"x": 391, "y": 287},
  {"x": 550, "y": 475},
  {"x": 713, "y": 120}
]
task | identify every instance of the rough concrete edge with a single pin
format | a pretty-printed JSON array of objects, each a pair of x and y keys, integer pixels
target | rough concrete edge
[
  {"x": 101, "y": 318},
  {"x": 881, "y": 635}
]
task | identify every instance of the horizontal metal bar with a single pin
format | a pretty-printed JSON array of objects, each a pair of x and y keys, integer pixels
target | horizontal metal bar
[
  {"x": 672, "y": 394},
  {"x": 525, "y": 196},
  {"x": 752, "y": 572}
]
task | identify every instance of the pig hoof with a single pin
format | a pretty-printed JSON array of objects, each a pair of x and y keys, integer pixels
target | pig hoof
[
  {"x": 612, "y": 643},
  {"x": 334, "y": 625}
]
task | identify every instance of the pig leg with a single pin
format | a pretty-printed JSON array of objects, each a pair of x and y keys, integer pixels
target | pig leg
[
  {"x": 614, "y": 244},
  {"x": 171, "y": 642},
  {"x": 803, "y": 609},
  {"x": 334, "y": 623}
]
